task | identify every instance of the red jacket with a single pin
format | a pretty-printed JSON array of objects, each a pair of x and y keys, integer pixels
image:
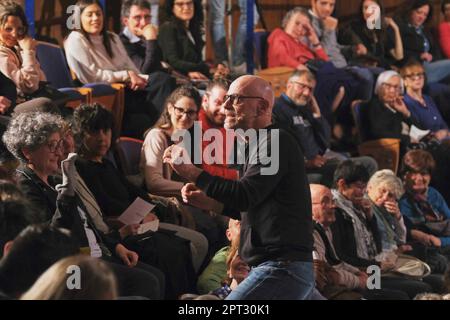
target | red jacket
[
  {"x": 220, "y": 170},
  {"x": 444, "y": 38},
  {"x": 285, "y": 51}
]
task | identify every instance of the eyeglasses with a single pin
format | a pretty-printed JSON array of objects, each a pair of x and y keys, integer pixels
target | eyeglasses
[
  {"x": 236, "y": 99},
  {"x": 415, "y": 76},
  {"x": 184, "y": 4},
  {"x": 392, "y": 87},
  {"x": 303, "y": 86},
  {"x": 54, "y": 146},
  {"x": 179, "y": 112}
]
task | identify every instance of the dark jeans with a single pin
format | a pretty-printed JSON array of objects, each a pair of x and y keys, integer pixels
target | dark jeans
[
  {"x": 143, "y": 108},
  {"x": 142, "y": 280},
  {"x": 411, "y": 287}
]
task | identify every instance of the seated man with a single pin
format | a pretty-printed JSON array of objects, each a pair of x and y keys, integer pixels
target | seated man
[
  {"x": 139, "y": 36},
  {"x": 212, "y": 117},
  {"x": 297, "y": 109},
  {"x": 346, "y": 275}
]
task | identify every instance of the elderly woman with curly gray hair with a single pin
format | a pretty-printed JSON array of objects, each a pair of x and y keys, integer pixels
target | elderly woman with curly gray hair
[{"x": 37, "y": 140}]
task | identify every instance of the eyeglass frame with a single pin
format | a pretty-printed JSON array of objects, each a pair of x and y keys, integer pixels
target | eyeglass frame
[
  {"x": 303, "y": 86},
  {"x": 233, "y": 97},
  {"x": 179, "y": 112},
  {"x": 59, "y": 145}
]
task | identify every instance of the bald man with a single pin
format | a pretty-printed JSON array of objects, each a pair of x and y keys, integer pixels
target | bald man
[{"x": 275, "y": 209}]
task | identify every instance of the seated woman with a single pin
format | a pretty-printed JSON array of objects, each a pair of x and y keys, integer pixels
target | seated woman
[
  {"x": 181, "y": 42},
  {"x": 36, "y": 140},
  {"x": 380, "y": 47},
  {"x": 20, "y": 72},
  {"x": 114, "y": 194},
  {"x": 418, "y": 41},
  {"x": 386, "y": 115},
  {"x": 297, "y": 45},
  {"x": 96, "y": 55},
  {"x": 422, "y": 107},
  {"x": 180, "y": 112},
  {"x": 425, "y": 210},
  {"x": 384, "y": 190}
]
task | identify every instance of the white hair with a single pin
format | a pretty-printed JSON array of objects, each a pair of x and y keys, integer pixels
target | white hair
[{"x": 386, "y": 76}]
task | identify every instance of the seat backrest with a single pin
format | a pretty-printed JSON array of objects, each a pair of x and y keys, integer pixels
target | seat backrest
[
  {"x": 129, "y": 152},
  {"x": 260, "y": 43},
  {"x": 53, "y": 62},
  {"x": 278, "y": 78},
  {"x": 386, "y": 152}
]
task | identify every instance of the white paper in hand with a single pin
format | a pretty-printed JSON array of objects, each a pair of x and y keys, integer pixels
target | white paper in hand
[
  {"x": 149, "y": 226},
  {"x": 417, "y": 134},
  {"x": 136, "y": 212}
]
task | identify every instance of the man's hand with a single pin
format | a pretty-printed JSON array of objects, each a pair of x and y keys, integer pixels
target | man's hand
[
  {"x": 136, "y": 82},
  {"x": 149, "y": 32},
  {"x": 197, "y": 76},
  {"x": 360, "y": 49},
  {"x": 150, "y": 218},
  {"x": 5, "y": 104},
  {"x": 317, "y": 162},
  {"x": 314, "y": 107},
  {"x": 197, "y": 198},
  {"x": 362, "y": 276},
  {"x": 129, "y": 258},
  {"x": 441, "y": 134},
  {"x": 222, "y": 71},
  {"x": 179, "y": 160},
  {"x": 435, "y": 241},
  {"x": 330, "y": 23}
]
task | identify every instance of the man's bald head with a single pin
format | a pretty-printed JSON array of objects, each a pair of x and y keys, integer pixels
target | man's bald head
[
  {"x": 322, "y": 205},
  {"x": 255, "y": 86},
  {"x": 250, "y": 105}
]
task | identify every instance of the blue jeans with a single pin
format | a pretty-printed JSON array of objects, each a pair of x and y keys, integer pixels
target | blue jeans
[
  {"x": 437, "y": 70},
  {"x": 217, "y": 16},
  {"x": 275, "y": 280}
]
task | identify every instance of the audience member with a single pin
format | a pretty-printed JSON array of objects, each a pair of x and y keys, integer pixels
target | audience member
[
  {"x": 96, "y": 281},
  {"x": 444, "y": 29}
]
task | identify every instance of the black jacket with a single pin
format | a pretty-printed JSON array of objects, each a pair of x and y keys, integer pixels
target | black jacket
[
  {"x": 275, "y": 208},
  {"x": 145, "y": 54},
  {"x": 61, "y": 211},
  {"x": 313, "y": 134},
  {"x": 413, "y": 43},
  {"x": 345, "y": 242},
  {"x": 179, "y": 51},
  {"x": 378, "y": 122},
  {"x": 8, "y": 89}
]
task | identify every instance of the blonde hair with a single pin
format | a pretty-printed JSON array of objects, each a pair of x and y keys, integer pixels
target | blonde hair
[
  {"x": 96, "y": 279},
  {"x": 387, "y": 179}
]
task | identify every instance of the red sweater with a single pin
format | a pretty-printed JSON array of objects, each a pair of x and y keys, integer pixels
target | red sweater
[
  {"x": 285, "y": 51},
  {"x": 220, "y": 170},
  {"x": 444, "y": 38}
]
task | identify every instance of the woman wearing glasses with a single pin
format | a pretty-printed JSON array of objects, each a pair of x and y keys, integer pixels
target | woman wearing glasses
[
  {"x": 386, "y": 115},
  {"x": 422, "y": 107},
  {"x": 180, "y": 112},
  {"x": 181, "y": 42},
  {"x": 96, "y": 55}
]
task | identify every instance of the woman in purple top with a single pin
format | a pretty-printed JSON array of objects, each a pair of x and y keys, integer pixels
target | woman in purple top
[{"x": 422, "y": 107}]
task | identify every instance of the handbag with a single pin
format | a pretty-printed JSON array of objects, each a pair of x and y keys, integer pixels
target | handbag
[{"x": 46, "y": 90}]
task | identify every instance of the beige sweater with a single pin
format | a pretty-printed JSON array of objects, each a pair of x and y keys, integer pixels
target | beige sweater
[
  {"x": 91, "y": 62},
  {"x": 23, "y": 69},
  {"x": 158, "y": 174}
]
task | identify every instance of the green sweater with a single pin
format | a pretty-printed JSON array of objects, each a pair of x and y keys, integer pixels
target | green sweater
[{"x": 215, "y": 273}]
